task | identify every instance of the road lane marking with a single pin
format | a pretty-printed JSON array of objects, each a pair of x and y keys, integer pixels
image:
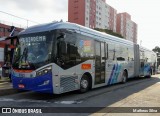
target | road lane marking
[
  {"x": 23, "y": 100},
  {"x": 40, "y": 101},
  {"x": 68, "y": 102}
]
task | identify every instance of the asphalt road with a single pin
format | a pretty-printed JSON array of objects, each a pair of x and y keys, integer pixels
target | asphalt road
[{"x": 141, "y": 92}]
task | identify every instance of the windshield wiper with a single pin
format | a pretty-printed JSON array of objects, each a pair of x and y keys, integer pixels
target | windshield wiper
[{"x": 25, "y": 54}]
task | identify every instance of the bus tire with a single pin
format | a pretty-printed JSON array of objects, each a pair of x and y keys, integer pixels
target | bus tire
[
  {"x": 124, "y": 77},
  {"x": 84, "y": 84}
]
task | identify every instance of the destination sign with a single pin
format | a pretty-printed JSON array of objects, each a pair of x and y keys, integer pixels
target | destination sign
[{"x": 33, "y": 39}]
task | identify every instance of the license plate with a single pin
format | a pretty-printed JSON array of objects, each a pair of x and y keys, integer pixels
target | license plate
[{"x": 21, "y": 86}]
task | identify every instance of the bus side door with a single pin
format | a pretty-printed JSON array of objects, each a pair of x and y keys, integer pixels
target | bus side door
[{"x": 100, "y": 62}]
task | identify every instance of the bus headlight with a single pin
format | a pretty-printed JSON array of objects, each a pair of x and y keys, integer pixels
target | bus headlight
[{"x": 44, "y": 71}]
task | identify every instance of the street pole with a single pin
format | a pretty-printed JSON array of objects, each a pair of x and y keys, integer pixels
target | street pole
[{"x": 27, "y": 23}]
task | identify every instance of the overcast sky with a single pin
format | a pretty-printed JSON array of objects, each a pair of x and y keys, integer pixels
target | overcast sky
[{"x": 144, "y": 12}]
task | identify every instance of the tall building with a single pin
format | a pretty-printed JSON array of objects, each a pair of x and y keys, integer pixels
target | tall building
[
  {"x": 92, "y": 14},
  {"x": 126, "y": 27},
  {"x": 112, "y": 18},
  {"x": 98, "y": 14},
  {"x": 135, "y": 28},
  {"x": 76, "y": 11}
]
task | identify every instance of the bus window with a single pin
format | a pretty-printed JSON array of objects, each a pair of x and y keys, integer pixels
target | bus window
[
  {"x": 85, "y": 47},
  {"x": 121, "y": 52},
  {"x": 111, "y": 51},
  {"x": 106, "y": 49},
  {"x": 67, "y": 50},
  {"x": 130, "y": 54}
]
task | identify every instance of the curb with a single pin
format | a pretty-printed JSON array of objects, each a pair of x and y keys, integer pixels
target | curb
[{"x": 3, "y": 81}]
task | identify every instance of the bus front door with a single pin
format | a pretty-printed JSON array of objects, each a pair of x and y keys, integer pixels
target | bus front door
[{"x": 99, "y": 62}]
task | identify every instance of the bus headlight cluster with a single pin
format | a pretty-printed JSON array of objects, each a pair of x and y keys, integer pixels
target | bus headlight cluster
[{"x": 44, "y": 71}]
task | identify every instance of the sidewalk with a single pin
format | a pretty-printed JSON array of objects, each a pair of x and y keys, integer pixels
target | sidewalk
[
  {"x": 1, "y": 81},
  {"x": 6, "y": 87},
  {"x": 148, "y": 97},
  {"x": 4, "y": 79}
]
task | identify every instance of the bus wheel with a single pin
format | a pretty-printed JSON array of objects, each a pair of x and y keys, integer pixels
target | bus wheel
[
  {"x": 84, "y": 84},
  {"x": 124, "y": 77}
]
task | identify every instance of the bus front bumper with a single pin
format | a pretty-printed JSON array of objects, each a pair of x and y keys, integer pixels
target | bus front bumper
[{"x": 39, "y": 84}]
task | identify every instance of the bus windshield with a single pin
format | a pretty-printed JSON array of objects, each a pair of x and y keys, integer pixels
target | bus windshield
[{"x": 33, "y": 51}]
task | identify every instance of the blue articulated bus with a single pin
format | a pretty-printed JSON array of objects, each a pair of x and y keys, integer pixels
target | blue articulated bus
[{"x": 61, "y": 57}]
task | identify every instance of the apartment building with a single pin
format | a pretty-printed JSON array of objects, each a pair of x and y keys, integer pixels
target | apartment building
[
  {"x": 98, "y": 14},
  {"x": 126, "y": 27},
  {"x": 92, "y": 14}
]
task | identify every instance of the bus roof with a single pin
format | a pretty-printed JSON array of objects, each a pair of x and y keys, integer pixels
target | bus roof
[
  {"x": 146, "y": 49},
  {"x": 68, "y": 25}
]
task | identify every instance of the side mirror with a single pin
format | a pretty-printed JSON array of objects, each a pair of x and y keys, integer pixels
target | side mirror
[{"x": 61, "y": 35}]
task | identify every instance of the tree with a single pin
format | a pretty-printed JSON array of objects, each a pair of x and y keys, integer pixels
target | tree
[{"x": 157, "y": 50}]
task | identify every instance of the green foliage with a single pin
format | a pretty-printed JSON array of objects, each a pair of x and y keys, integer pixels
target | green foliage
[
  {"x": 156, "y": 49},
  {"x": 109, "y": 32}
]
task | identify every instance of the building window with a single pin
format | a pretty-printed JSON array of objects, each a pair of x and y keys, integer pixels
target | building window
[
  {"x": 1, "y": 29},
  {"x": 6, "y": 30},
  {"x": 75, "y": 1},
  {"x": 86, "y": 18}
]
